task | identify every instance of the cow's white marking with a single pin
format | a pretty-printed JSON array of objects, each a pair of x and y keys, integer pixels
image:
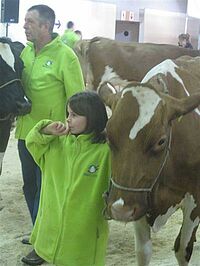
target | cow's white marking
[
  {"x": 7, "y": 55},
  {"x": 187, "y": 204},
  {"x": 119, "y": 202},
  {"x": 111, "y": 88},
  {"x": 119, "y": 212},
  {"x": 162, "y": 219},
  {"x": 167, "y": 66},
  {"x": 111, "y": 76},
  {"x": 143, "y": 243},
  {"x": 187, "y": 227},
  {"x": 148, "y": 100}
]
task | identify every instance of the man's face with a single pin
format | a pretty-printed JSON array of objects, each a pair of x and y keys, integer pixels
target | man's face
[{"x": 33, "y": 26}]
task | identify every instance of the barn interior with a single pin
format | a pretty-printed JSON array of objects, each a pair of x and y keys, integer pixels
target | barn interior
[
  {"x": 127, "y": 20},
  {"x": 143, "y": 21}
]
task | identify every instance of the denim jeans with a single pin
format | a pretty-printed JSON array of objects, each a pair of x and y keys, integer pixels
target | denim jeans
[{"x": 32, "y": 179}]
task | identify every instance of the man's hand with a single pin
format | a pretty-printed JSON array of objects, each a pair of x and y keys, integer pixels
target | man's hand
[{"x": 56, "y": 128}]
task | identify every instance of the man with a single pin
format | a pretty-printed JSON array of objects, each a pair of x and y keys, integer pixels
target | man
[
  {"x": 51, "y": 75},
  {"x": 79, "y": 33},
  {"x": 70, "y": 37}
]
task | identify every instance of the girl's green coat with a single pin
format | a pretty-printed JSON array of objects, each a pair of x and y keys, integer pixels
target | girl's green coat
[
  {"x": 70, "y": 229},
  {"x": 49, "y": 79}
]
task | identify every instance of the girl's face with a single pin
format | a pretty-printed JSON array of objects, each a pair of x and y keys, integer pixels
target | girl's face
[{"x": 77, "y": 123}]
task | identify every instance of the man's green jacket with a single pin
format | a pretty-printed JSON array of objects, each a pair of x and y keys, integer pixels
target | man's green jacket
[{"x": 49, "y": 79}]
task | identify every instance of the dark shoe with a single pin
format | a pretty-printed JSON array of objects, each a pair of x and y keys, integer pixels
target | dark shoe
[
  {"x": 32, "y": 259},
  {"x": 25, "y": 241}
]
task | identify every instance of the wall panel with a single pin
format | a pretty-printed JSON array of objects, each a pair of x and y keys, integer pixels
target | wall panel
[
  {"x": 164, "y": 27},
  {"x": 92, "y": 18}
]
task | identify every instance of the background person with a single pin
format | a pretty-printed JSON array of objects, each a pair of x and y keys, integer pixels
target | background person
[
  {"x": 79, "y": 33},
  {"x": 75, "y": 161},
  {"x": 70, "y": 37},
  {"x": 184, "y": 41},
  {"x": 51, "y": 75}
]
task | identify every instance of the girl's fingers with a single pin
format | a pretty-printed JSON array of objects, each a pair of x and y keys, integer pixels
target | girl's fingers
[
  {"x": 56, "y": 128},
  {"x": 61, "y": 129},
  {"x": 59, "y": 126}
]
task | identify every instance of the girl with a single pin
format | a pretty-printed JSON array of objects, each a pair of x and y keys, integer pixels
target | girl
[{"x": 75, "y": 161}]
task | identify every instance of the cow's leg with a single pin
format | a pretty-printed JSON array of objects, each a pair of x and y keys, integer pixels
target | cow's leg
[
  {"x": 183, "y": 250},
  {"x": 183, "y": 246},
  {"x": 143, "y": 244},
  {"x": 4, "y": 137},
  {"x": 5, "y": 127}
]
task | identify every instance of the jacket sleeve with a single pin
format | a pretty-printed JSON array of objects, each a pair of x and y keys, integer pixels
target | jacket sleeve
[
  {"x": 38, "y": 143},
  {"x": 73, "y": 77}
]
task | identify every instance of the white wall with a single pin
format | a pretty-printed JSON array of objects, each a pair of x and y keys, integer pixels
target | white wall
[
  {"x": 92, "y": 18},
  {"x": 179, "y": 6},
  {"x": 161, "y": 26},
  {"x": 193, "y": 8},
  {"x": 167, "y": 26}
]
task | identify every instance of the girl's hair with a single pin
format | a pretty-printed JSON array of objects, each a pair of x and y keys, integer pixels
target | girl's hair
[{"x": 90, "y": 105}]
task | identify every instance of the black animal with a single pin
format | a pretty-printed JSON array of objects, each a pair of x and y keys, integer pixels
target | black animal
[{"x": 12, "y": 99}]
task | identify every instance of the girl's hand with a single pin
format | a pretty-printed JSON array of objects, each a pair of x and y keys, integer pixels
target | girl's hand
[{"x": 56, "y": 128}]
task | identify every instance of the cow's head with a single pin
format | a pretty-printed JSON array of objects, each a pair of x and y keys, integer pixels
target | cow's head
[
  {"x": 139, "y": 137},
  {"x": 12, "y": 100}
]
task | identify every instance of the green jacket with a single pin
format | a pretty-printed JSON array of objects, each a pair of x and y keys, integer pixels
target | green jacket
[
  {"x": 70, "y": 38},
  {"x": 70, "y": 229},
  {"x": 49, "y": 79}
]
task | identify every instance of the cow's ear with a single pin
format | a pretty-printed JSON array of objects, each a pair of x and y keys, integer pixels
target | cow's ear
[
  {"x": 179, "y": 107},
  {"x": 109, "y": 94}
]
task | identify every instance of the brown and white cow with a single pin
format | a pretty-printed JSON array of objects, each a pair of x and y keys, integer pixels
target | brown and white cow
[
  {"x": 105, "y": 59},
  {"x": 155, "y": 145}
]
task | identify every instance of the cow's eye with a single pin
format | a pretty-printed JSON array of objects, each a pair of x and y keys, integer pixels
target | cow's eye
[
  {"x": 160, "y": 144},
  {"x": 161, "y": 141}
]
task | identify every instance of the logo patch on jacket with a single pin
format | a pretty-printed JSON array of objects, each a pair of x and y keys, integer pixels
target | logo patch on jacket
[
  {"x": 92, "y": 169},
  {"x": 48, "y": 63}
]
